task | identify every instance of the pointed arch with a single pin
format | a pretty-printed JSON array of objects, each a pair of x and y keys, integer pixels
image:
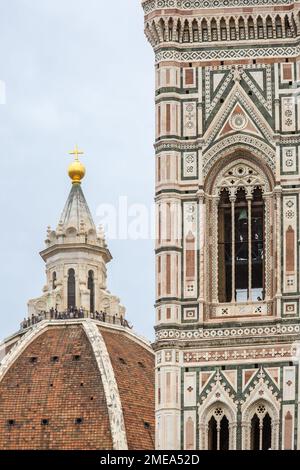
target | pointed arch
[
  {"x": 269, "y": 27},
  {"x": 262, "y": 416},
  {"x": 242, "y": 29},
  {"x": 287, "y": 27},
  {"x": 251, "y": 29},
  {"x": 195, "y": 29},
  {"x": 243, "y": 144},
  {"x": 260, "y": 27},
  {"x": 171, "y": 29},
  {"x": 218, "y": 424},
  {"x": 178, "y": 31},
  {"x": 232, "y": 29},
  {"x": 213, "y": 30},
  {"x": 278, "y": 27},
  {"x": 161, "y": 30},
  {"x": 186, "y": 32},
  {"x": 290, "y": 250},
  {"x": 223, "y": 29},
  {"x": 204, "y": 30},
  {"x": 155, "y": 34},
  {"x": 259, "y": 286}
]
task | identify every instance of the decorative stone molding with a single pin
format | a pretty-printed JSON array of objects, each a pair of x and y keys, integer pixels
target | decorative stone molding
[
  {"x": 237, "y": 95},
  {"x": 207, "y": 54},
  {"x": 151, "y": 5},
  {"x": 229, "y": 73},
  {"x": 241, "y": 174},
  {"x": 242, "y": 354},
  {"x": 227, "y": 145},
  {"x": 115, "y": 412},
  {"x": 230, "y": 332}
]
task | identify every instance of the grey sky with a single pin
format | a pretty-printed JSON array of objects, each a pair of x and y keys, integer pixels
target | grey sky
[{"x": 76, "y": 71}]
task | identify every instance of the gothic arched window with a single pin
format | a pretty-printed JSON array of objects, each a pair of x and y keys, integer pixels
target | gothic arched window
[
  {"x": 218, "y": 431},
  {"x": 261, "y": 430},
  {"x": 241, "y": 239},
  {"x": 278, "y": 27},
  {"x": 71, "y": 288},
  {"x": 261, "y": 424},
  {"x": 91, "y": 287}
]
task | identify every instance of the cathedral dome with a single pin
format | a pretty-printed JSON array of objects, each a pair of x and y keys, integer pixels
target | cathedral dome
[
  {"x": 75, "y": 385},
  {"x": 76, "y": 376}
]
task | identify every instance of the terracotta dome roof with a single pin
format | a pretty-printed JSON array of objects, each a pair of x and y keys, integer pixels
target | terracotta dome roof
[{"x": 77, "y": 384}]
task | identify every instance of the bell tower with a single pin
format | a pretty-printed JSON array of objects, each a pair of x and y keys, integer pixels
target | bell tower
[{"x": 227, "y": 248}]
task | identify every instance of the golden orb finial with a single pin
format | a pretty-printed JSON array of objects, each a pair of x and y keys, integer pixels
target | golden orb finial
[{"x": 76, "y": 170}]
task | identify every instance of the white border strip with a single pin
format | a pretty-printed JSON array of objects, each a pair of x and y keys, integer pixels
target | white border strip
[{"x": 113, "y": 400}]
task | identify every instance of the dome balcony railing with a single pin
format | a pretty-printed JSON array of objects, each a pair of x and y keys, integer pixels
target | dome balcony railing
[{"x": 74, "y": 314}]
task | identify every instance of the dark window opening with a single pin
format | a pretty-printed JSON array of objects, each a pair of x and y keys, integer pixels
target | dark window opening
[
  {"x": 122, "y": 360},
  {"x": 212, "y": 434},
  {"x": 267, "y": 432},
  {"x": 261, "y": 433},
  {"x": 33, "y": 360},
  {"x": 91, "y": 287},
  {"x": 147, "y": 425},
  {"x": 78, "y": 420},
  {"x": 76, "y": 357},
  {"x": 11, "y": 422},
  {"x": 54, "y": 359},
  {"x": 245, "y": 254},
  {"x": 54, "y": 281},
  {"x": 71, "y": 289},
  {"x": 255, "y": 433},
  {"x": 218, "y": 434},
  {"x": 44, "y": 422}
]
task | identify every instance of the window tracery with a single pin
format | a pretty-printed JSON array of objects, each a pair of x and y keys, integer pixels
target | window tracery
[{"x": 240, "y": 210}]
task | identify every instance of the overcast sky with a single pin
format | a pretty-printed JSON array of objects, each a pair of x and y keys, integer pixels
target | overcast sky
[{"x": 76, "y": 71}]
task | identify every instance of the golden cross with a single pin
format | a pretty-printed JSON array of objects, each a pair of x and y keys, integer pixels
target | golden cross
[{"x": 76, "y": 153}]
